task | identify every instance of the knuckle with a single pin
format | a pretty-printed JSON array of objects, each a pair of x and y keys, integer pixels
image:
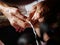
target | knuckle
[
  {"x": 12, "y": 21},
  {"x": 14, "y": 10}
]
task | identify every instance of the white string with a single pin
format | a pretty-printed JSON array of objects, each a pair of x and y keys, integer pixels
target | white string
[{"x": 33, "y": 31}]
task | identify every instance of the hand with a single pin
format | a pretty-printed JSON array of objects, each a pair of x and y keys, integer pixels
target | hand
[
  {"x": 16, "y": 19},
  {"x": 35, "y": 13},
  {"x": 36, "y": 18},
  {"x": 18, "y": 24}
]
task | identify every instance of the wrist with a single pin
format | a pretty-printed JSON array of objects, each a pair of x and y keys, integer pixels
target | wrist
[{"x": 2, "y": 8}]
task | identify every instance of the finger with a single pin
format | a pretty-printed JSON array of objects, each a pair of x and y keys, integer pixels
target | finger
[
  {"x": 16, "y": 26},
  {"x": 36, "y": 16},
  {"x": 31, "y": 14},
  {"x": 41, "y": 19},
  {"x": 21, "y": 29}
]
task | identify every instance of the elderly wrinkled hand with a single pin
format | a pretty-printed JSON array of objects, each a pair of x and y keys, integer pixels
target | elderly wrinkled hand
[
  {"x": 35, "y": 13},
  {"x": 16, "y": 19},
  {"x": 36, "y": 18}
]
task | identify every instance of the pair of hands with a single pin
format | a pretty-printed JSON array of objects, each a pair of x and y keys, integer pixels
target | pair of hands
[{"x": 19, "y": 21}]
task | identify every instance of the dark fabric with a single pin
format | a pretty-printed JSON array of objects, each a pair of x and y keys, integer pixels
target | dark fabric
[
  {"x": 9, "y": 36},
  {"x": 51, "y": 42},
  {"x": 28, "y": 36}
]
